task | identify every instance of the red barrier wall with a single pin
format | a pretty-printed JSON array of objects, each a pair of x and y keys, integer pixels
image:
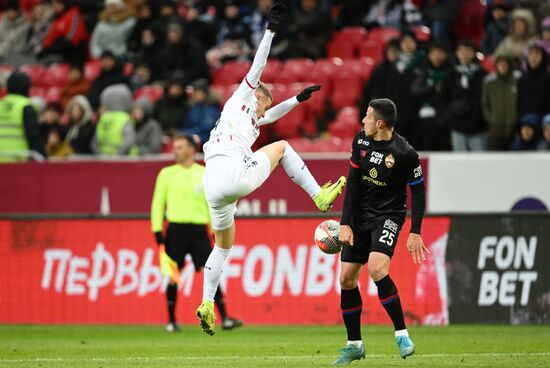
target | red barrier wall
[
  {"x": 105, "y": 271},
  {"x": 75, "y": 187}
]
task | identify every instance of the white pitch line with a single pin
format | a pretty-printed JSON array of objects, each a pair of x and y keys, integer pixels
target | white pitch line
[{"x": 281, "y": 357}]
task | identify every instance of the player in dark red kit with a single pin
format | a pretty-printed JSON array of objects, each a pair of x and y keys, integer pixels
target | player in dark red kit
[{"x": 382, "y": 164}]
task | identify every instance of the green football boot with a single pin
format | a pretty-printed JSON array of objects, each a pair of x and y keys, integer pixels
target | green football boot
[{"x": 328, "y": 193}]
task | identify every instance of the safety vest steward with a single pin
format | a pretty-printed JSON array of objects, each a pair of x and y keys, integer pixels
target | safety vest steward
[
  {"x": 110, "y": 132},
  {"x": 13, "y": 142}
]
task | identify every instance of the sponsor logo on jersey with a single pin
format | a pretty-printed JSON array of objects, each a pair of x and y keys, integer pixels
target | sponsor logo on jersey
[
  {"x": 391, "y": 226},
  {"x": 374, "y": 181},
  {"x": 376, "y": 157},
  {"x": 373, "y": 173},
  {"x": 362, "y": 142},
  {"x": 417, "y": 172},
  {"x": 389, "y": 161}
]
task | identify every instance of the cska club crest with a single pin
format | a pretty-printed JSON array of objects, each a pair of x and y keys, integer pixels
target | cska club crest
[{"x": 389, "y": 161}]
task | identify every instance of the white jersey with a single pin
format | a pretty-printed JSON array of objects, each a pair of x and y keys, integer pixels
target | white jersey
[{"x": 238, "y": 126}]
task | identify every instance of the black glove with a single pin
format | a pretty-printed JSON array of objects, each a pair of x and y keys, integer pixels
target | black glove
[
  {"x": 159, "y": 238},
  {"x": 306, "y": 93},
  {"x": 276, "y": 16}
]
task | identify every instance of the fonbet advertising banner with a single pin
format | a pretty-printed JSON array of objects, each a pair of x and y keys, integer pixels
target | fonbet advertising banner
[
  {"x": 498, "y": 269},
  {"x": 106, "y": 271}
]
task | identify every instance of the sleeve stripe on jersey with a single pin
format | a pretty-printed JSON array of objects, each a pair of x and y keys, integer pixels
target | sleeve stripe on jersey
[
  {"x": 417, "y": 181},
  {"x": 353, "y": 164},
  {"x": 250, "y": 85}
]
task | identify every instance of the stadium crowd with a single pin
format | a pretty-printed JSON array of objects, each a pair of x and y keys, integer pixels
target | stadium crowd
[{"x": 121, "y": 77}]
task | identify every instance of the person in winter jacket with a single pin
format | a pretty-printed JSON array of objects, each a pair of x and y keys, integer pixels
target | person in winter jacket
[
  {"x": 77, "y": 84},
  {"x": 534, "y": 84},
  {"x": 111, "y": 73},
  {"x": 203, "y": 112},
  {"x": 14, "y": 26},
  {"x": 148, "y": 130},
  {"x": 528, "y": 133},
  {"x": 497, "y": 30},
  {"x": 544, "y": 145},
  {"x": 170, "y": 109},
  {"x": 113, "y": 30},
  {"x": 522, "y": 30},
  {"x": 80, "y": 129}
]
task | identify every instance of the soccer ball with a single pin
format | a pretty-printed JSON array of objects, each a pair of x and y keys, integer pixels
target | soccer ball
[{"x": 326, "y": 237}]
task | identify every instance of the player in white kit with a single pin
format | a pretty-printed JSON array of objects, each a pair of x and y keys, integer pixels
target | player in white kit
[{"x": 234, "y": 171}]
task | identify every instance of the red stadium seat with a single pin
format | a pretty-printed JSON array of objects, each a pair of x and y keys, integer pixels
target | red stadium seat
[
  {"x": 423, "y": 33},
  {"x": 231, "y": 73},
  {"x": 37, "y": 92},
  {"x": 271, "y": 70},
  {"x": 301, "y": 144},
  {"x": 298, "y": 68},
  {"x": 154, "y": 92},
  {"x": 291, "y": 124},
  {"x": 92, "y": 69},
  {"x": 353, "y": 35},
  {"x": 362, "y": 67},
  {"x": 35, "y": 72},
  {"x": 373, "y": 50},
  {"x": 346, "y": 124},
  {"x": 337, "y": 48},
  {"x": 488, "y": 63},
  {"x": 279, "y": 92},
  {"x": 53, "y": 94},
  {"x": 56, "y": 75},
  {"x": 346, "y": 91},
  {"x": 383, "y": 35}
]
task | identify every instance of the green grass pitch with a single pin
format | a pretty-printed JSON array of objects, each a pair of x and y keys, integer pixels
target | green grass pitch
[{"x": 273, "y": 346}]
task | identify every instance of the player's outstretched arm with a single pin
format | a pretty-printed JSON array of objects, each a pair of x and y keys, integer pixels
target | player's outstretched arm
[
  {"x": 275, "y": 18},
  {"x": 280, "y": 110},
  {"x": 415, "y": 245}
]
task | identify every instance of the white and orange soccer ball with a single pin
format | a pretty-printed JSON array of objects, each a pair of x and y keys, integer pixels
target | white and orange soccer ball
[{"x": 326, "y": 237}]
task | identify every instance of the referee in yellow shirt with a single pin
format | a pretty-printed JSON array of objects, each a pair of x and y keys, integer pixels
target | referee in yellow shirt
[{"x": 179, "y": 193}]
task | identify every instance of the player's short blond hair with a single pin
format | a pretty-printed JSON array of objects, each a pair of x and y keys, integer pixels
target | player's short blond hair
[{"x": 264, "y": 89}]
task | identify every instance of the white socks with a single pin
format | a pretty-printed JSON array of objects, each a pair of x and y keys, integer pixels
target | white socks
[
  {"x": 401, "y": 333},
  {"x": 297, "y": 170},
  {"x": 213, "y": 272},
  {"x": 357, "y": 343}
]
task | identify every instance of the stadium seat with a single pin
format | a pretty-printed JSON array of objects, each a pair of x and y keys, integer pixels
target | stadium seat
[
  {"x": 346, "y": 90},
  {"x": 337, "y": 48},
  {"x": 346, "y": 124},
  {"x": 298, "y": 68},
  {"x": 36, "y": 91},
  {"x": 373, "y": 50},
  {"x": 423, "y": 34},
  {"x": 154, "y": 92},
  {"x": 382, "y": 35},
  {"x": 272, "y": 68},
  {"x": 279, "y": 92},
  {"x": 329, "y": 67},
  {"x": 53, "y": 94},
  {"x": 362, "y": 67},
  {"x": 35, "y": 72},
  {"x": 231, "y": 73},
  {"x": 128, "y": 69},
  {"x": 291, "y": 124},
  {"x": 56, "y": 75},
  {"x": 92, "y": 69},
  {"x": 301, "y": 144}
]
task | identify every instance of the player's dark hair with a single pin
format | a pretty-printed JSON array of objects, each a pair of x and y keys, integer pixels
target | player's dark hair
[
  {"x": 384, "y": 109},
  {"x": 185, "y": 137}
]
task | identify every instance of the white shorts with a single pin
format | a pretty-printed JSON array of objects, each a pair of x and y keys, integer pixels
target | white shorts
[{"x": 226, "y": 179}]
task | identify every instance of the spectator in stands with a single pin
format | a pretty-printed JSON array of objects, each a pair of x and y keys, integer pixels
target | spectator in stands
[
  {"x": 544, "y": 145},
  {"x": 434, "y": 132},
  {"x": 113, "y": 30},
  {"x": 141, "y": 76},
  {"x": 522, "y": 31},
  {"x": 528, "y": 134},
  {"x": 170, "y": 109},
  {"x": 200, "y": 24},
  {"x": 399, "y": 85},
  {"x": 41, "y": 19},
  {"x": 111, "y": 73},
  {"x": 352, "y": 13},
  {"x": 149, "y": 53},
  {"x": 497, "y": 30},
  {"x": 50, "y": 117},
  {"x": 307, "y": 33},
  {"x": 461, "y": 98},
  {"x": 534, "y": 84},
  {"x": 144, "y": 20},
  {"x": 499, "y": 101},
  {"x": 393, "y": 13},
  {"x": 148, "y": 130},
  {"x": 377, "y": 85},
  {"x": 14, "y": 27},
  {"x": 90, "y": 10},
  {"x": 203, "y": 112},
  {"x": 545, "y": 38},
  {"x": 258, "y": 21},
  {"x": 115, "y": 134},
  {"x": 182, "y": 53},
  {"x": 167, "y": 14},
  {"x": 77, "y": 84},
  {"x": 80, "y": 130},
  {"x": 67, "y": 36},
  {"x": 56, "y": 145},
  {"x": 19, "y": 128},
  {"x": 440, "y": 16},
  {"x": 234, "y": 37}
]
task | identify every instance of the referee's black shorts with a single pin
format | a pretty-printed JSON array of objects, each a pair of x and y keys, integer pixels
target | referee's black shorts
[{"x": 183, "y": 239}]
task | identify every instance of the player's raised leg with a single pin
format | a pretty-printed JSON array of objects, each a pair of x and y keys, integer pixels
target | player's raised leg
[
  {"x": 379, "y": 265},
  {"x": 283, "y": 153},
  {"x": 352, "y": 306}
]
